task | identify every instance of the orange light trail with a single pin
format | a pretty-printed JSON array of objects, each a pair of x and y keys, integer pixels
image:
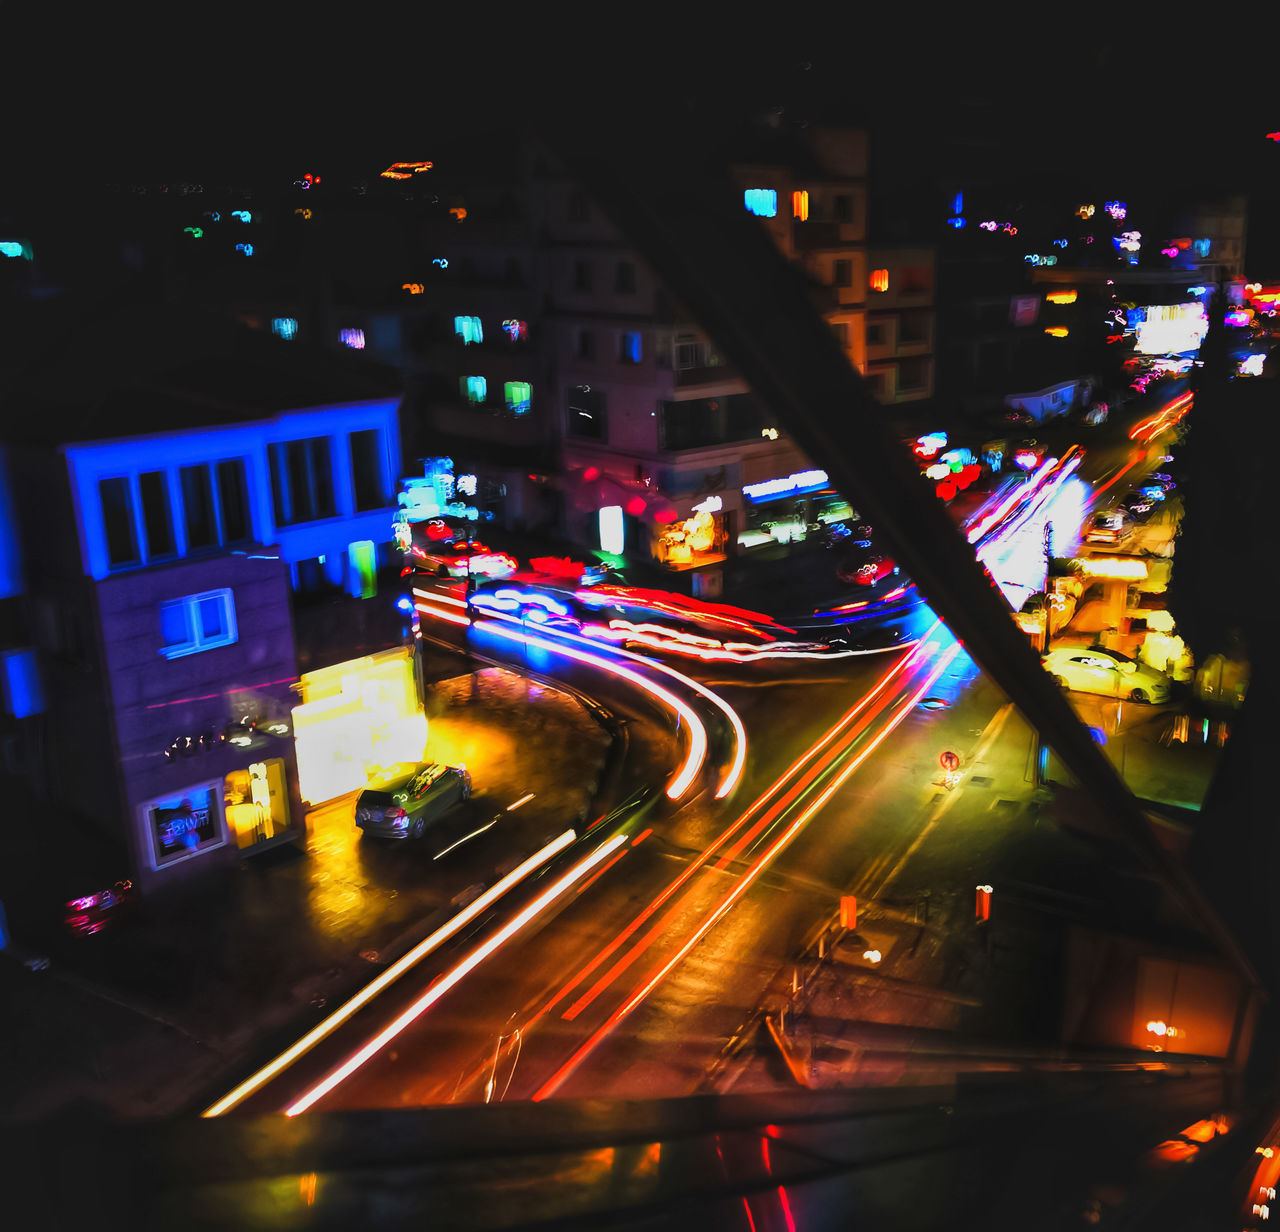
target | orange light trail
[
  {"x": 745, "y": 882},
  {"x": 695, "y": 865},
  {"x": 442, "y": 985}
]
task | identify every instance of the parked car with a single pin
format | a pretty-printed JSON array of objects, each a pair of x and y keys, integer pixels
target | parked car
[
  {"x": 403, "y": 805},
  {"x": 1062, "y": 606},
  {"x": 1108, "y": 526},
  {"x": 1108, "y": 673}
]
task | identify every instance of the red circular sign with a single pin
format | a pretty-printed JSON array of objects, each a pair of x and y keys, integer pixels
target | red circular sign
[{"x": 948, "y": 760}]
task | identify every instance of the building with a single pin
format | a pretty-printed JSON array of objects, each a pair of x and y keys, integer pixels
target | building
[{"x": 174, "y": 484}]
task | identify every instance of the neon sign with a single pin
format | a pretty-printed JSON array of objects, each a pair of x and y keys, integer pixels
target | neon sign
[
  {"x": 1084, "y": 211},
  {"x": 795, "y": 484},
  {"x": 247, "y": 249},
  {"x": 1117, "y": 209},
  {"x": 242, "y": 215},
  {"x": 196, "y": 232},
  {"x": 414, "y": 288},
  {"x": 442, "y": 262},
  {"x": 458, "y": 212}
]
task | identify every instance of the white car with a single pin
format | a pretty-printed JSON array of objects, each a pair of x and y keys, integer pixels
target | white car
[{"x": 1108, "y": 673}]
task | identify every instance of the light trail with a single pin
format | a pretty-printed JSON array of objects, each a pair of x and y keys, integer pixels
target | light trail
[
  {"x": 448, "y": 981},
  {"x": 442, "y": 934},
  {"x": 745, "y": 882},
  {"x": 697, "y": 732}
]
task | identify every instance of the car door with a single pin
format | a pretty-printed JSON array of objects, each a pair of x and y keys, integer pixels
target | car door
[{"x": 1089, "y": 674}]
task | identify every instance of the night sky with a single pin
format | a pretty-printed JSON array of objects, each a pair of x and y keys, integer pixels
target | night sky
[{"x": 989, "y": 99}]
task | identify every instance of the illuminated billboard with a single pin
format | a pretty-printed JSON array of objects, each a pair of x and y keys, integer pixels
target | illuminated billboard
[{"x": 1170, "y": 329}]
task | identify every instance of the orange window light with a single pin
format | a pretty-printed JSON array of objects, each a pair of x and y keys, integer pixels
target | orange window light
[
  {"x": 880, "y": 280},
  {"x": 800, "y": 204}
]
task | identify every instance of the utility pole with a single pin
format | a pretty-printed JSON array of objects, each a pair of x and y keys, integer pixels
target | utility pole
[{"x": 1042, "y": 749}]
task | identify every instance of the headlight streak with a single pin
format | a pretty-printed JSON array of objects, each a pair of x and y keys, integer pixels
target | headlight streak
[
  {"x": 697, "y": 732},
  {"x": 734, "y": 774},
  {"x": 389, "y": 976},
  {"x": 449, "y": 980},
  {"x": 732, "y": 652},
  {"x": 745, "y": 882}
]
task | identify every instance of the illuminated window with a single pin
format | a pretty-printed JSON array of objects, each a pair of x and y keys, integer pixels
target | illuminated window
[
  {"x": 474, "y": 388},
  {"x": 284, "y": 327},
  {"x": 1202, "y": 248},
  {"x": 354, "y": 338},
  {"x": 612, "y": 530},
  {"x": 1057, "y": 331},
  {"x": 518, "y": 396},
  {"x": 879, "y": 280},
  {"x": 197, "y": 622},
  {"x": 1061, "y": 297},
  {"x": 468, "y": 329},
  {"x": 301, "y": 480},
  {"x": 517, "y": 331},
  {"x": 629, "y": 347},
  {"x": 762, "y": 202},
  {"x": 800, "y": 204},
  {"x": 15, "y": 248}
]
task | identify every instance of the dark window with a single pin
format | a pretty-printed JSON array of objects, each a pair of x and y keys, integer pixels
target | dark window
[
  {"x": 366, "y": 468},
  {"x": 841, "y": 331},
  {"x": 875, "y": 335},
  {"x": 155, "y": 514},
  {"x": 197, "y": 504},
  {"x": 117, "y": 517},
  {"x": 237, "y": 526},
  {"x": 844, "y": 273},
  {"x": 586, "y": 412},
  {"x": 578, "y": 206},
  {"x": 710, "y": 421},
  {"x": 515, "y": 272},
  {"x": 586, "y": 344},
  {"x": 625, "y": 280},
  {"x": 582, "y": 275},
  {"x": 302, "y": 480},
  {"x": 843, "y": 207}
]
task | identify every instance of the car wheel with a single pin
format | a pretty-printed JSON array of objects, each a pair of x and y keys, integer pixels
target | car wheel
[
  {"x": 419, "y": 828},
  {"x": 1139, "y": 696},
  {"x": 1061, "y": 682}
]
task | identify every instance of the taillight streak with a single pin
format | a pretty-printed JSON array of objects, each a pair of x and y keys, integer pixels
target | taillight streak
[{"x": 746, "y": 881}]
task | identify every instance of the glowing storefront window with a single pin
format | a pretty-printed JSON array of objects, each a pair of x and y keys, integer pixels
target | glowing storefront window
[
  {"x": 284, "y": 327},
  {"x": 468, "y": 329},
  {"x": 183, "y": 824},
  {"x": 612, "y": 530},
  {"x": 256, "y": 801},
  {"x": 800, "y": 204},
  {"x": 357, "y": 719},
  {"x": 763, "y": 202}
]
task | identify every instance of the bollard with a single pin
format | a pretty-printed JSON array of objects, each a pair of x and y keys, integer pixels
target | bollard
[
  {"x": 982, "y": 904},
  {"x": 849, "y": 912}
]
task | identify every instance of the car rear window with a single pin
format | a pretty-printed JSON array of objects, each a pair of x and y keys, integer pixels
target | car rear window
[{"x": 376, "y": 799}]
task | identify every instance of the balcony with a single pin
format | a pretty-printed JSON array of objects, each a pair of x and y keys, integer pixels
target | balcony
[{"x": 811, "y": 235}]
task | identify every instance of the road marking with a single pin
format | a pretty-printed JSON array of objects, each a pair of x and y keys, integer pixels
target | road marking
[{"x": 990, "y": 734}]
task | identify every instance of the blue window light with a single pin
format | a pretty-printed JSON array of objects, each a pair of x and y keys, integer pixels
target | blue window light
[
  {"x": 519, "y": 397},
  {"x": 474, "y": 388},
  {"x": 15, "y": 248},
  {"x": 20, "y": 683},
  {"x": 197, "y": 622},
  {"x": 1202, "y": 248},
  {"x": 284, "y": 327},
  {"x": 631, "y": 346},
  {"x": 354, "y": 338},
  {"x": 762, "y": 202},
  {"x": 468, "y": 329}
]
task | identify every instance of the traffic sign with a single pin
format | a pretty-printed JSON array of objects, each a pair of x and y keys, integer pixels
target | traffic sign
[{"x": 949, "y": 761}]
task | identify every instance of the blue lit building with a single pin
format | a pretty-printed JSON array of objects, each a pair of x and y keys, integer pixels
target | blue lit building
[{"x": 178, "y": 496}]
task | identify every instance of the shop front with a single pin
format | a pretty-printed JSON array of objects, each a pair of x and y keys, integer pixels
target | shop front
[
  {"x": 699, "y": 540},
  {"x": 356, "y": 720},
  {"x": 789, "y": 509}
]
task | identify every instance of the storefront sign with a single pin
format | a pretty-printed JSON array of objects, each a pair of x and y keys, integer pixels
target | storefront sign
[
  {"x": 713, "y": 504},
  {"x": 183, "y": 824},
  {"x": 795, "y": 484}
]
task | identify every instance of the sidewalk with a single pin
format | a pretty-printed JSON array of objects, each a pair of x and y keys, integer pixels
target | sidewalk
[{"x": 141, "y": 1018}]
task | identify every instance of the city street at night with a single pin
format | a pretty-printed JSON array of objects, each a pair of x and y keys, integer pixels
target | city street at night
[{"x": 664, "y": 636}]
